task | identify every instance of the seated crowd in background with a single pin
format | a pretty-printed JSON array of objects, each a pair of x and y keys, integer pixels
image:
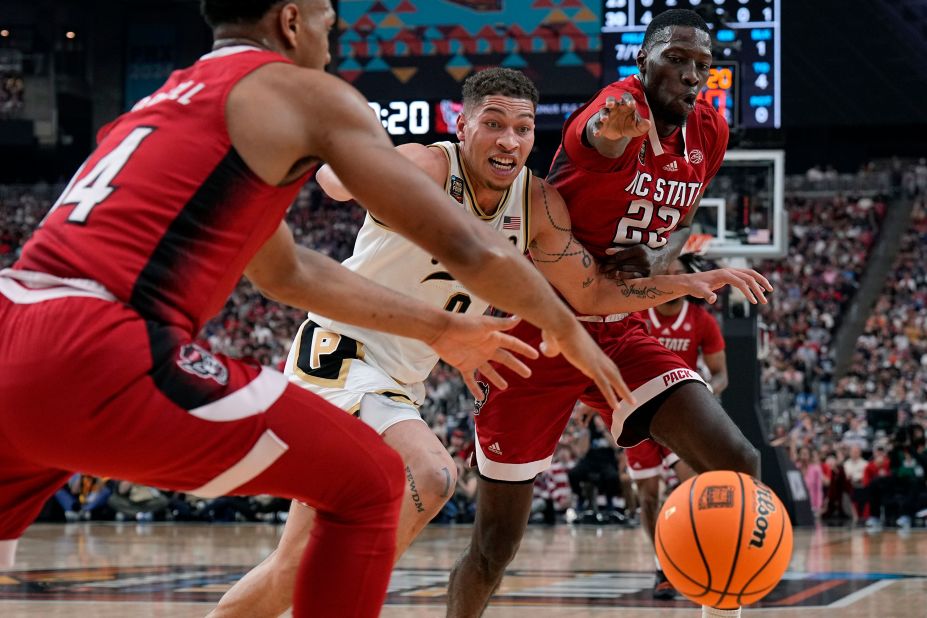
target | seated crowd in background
[{"x": 853, "y": 471}]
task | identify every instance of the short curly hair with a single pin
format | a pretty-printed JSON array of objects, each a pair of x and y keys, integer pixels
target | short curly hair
[
  {"x": 218, "y": 12},
  {"x": 505, "y": 82},
  {"x": 670, "y": 18}
]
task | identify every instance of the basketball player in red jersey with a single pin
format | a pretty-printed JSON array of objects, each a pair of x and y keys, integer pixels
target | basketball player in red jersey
[
  {"x": 689, "y": 330},
  {"x": 632, "y": 167},
  {"x": 183, "y": 194}
]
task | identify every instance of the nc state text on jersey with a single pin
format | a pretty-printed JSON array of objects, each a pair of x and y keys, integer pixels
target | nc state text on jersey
[{"x": 664, "y": 192}]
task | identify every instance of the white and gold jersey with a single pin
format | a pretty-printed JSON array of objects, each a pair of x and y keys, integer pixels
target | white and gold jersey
[{"x": 392, "y": 261}]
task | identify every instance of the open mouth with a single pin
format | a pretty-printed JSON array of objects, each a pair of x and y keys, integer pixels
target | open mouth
[{"x": 502, "y": 164}]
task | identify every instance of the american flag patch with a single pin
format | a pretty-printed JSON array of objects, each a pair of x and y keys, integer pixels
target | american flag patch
[{"x": 511, "y": 223}]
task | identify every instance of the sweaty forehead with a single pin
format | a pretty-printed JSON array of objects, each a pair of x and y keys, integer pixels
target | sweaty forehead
[
  {"x": 497, "y": 103},
  {"x": 683, "y": 36}
]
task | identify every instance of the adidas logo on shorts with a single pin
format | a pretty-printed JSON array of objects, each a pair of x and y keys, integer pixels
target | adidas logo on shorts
[{"x": 494, "y": 448}]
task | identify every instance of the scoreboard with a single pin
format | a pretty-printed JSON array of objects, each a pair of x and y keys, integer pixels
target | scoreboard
[{"x": 744, "y": 80}]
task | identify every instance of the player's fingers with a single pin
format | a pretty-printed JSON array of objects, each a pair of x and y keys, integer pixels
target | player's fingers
[
  {"x": 755, "y": 287},
  {"x": 741, "y": 285},
  {"x": 469, "y": 378},
  {"x": 515, "y": 344},
  {"x": 489, "y": 372},
  {"x": 497, "y": 323},
  {"x": 704, "y": 291},
  {"x": 627, "y": 99},
  {"x": 759, "y": 277},
  {"x": 509, "y": 360},
  {"x": 608, "y": 392},
  {"x": 620, "y": 386},
  {"x": 610, "y": 102},
  {"x": 549, "y": 346}
]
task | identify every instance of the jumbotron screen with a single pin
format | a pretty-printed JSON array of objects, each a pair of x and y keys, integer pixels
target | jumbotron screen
[
  {"x": 744, "y": 81},
  {"x": 408, "y": 50}
]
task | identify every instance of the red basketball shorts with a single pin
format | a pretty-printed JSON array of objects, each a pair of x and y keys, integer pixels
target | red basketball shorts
[
  {"x": 517, "y": 429},
  {"x": 649, "y": 459},
  {"x": 88, "y": 385}
]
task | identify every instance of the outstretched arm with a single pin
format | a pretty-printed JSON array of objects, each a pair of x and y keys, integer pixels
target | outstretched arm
[
  {"x": 288, "y": 273},
  {"x": 429, "y": 160},
  {"x": 572, "y": 269}
]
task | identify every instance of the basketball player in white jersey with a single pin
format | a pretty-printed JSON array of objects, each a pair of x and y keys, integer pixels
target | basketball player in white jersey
[{"x": 380, "y": 377}]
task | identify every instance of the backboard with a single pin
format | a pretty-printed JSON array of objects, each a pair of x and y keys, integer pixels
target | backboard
[{"x": 744, "y": 207}]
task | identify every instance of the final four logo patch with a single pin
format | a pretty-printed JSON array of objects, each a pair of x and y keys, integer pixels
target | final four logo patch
[{"x": 456, "y": 190}]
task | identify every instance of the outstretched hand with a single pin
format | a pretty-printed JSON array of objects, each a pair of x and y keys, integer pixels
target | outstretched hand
[
  {"x": 751, "y": 283},
  {"x": 619, "y": 119},
  {"x": 583, "y": 353},
  {"x": 468, "y": 343}
]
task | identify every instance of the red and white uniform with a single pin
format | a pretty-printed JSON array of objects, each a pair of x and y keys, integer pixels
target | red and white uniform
[
  {"x": 691, "y": 331},
  {"x": 98, "y": 369},
  {"x": 640, "y": 197}
]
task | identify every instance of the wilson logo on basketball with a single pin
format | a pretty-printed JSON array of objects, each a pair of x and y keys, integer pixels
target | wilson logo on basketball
[
  {"x": 716, "y": 497},
  {"x": 765, "y": 505}
]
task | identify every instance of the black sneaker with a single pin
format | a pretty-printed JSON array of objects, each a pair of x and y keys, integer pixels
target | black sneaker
[{"x": 662, "y": 589}]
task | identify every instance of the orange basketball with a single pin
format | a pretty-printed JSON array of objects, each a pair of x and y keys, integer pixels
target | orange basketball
[{"x": 723, "y": 539}]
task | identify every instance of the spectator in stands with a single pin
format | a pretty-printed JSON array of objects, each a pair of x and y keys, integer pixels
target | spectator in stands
[
  {"x": 810, "y": 466},
  {"x": 552, "y": 494},
  {"x": 855, "y": 467},
  {"x": 876, "y": 479}
]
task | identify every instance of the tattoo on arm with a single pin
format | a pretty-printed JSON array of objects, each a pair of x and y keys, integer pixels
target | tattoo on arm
[
  {"x": 447, "y": 482},
  {"x": 573, "y": 247},
  {"x": 587, "y": 282},
  {"x": 648, "y": 292},
  {"x": 416, "y": 498}
]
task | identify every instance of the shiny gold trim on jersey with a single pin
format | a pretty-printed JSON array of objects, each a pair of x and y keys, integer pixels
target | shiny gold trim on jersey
[
  {"x": 474, "y": 205},
  {"x": 397, "y": 397}
]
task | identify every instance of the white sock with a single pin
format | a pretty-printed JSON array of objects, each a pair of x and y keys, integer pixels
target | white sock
[
  {"x": 714, "y": 612},
  {"x": 657, "y": 562}
]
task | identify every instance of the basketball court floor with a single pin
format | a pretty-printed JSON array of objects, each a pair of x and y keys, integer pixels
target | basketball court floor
[{"x": 180, "y": 570}]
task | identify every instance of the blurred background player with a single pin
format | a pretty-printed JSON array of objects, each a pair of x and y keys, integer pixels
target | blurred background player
[
  {"x": 380, "y": 377},
  {"x": 687, "y": 329}
]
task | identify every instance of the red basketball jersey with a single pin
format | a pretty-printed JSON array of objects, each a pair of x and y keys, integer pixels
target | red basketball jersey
[
  {"x": 691, "y": 330},
  {"x": 641, "y": 196},
  {"x": 165, "y": 213}
]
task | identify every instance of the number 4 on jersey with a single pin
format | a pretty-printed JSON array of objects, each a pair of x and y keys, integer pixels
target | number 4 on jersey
[{"x": 95, "y": 187}]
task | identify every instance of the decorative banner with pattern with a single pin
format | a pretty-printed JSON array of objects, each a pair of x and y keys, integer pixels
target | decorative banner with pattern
[{"x": 406, "y": 49}]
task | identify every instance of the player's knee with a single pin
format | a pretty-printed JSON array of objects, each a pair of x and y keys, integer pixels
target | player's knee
[
  {"x": 498, "y": 545},
  {"x": 432, "y": 478},
  {"x": 648, "y": 492}
]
